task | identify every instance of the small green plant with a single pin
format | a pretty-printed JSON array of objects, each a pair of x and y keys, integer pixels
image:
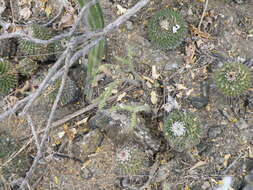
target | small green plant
[
  {"x": 233, "y": 79},
  {"x": 95, "y": 21},
  {"x": 130, "y": 160},
  {"x": 181, "y": 130},
  {"x": 167, "y": 29},
  {"x": 35, "y": 51},
  {"x": 8, "y": 78}
]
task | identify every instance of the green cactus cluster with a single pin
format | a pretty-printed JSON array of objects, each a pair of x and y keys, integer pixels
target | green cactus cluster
[
  {"x": 233, "y": 79},
  {"x": 131, "y": 160},
  {"x": 8, "y": 78},
  {"x": 182, "y": 130},
  {"x": 38, "y": 52},
  {"x": 167, "y": 29}
]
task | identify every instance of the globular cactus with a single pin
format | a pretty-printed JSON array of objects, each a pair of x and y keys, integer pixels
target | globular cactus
[
  {"x": 167, "y": 29},
  {"x": 181, "y": 130},
  {"x": 36, "y": 51},
  {"x": 233, "y": 79},
  {"x": 8, "y": 78},
  {"x": 131, "y": 160}
]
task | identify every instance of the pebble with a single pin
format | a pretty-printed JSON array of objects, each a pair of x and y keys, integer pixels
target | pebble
[
  {"x": 199, "y": 102},
  {"x": 214, "y": 131},
  {"x": 129, "y": 25}
]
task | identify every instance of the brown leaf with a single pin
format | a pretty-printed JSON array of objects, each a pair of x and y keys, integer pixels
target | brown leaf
[
  {"x": 198, "y": 164},
  {"x": 196, "y": 32}
]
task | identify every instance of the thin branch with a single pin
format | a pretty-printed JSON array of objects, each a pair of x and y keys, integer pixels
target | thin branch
[
  {"x": 35, "y": 136},
  {"x": 53, "y": 19},
  {"x": 51, "y": 40},
  {"x": 203, "y": 14}
]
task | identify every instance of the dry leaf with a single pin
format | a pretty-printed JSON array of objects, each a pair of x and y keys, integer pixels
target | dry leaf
[
  {"x": 190, "y": 53},
  {"x": 121, "y": 10},
  {"x": 201, "y": 1},
  {"x": 66, "y": 21},
  {"x": 121, "y": 96},
  {"x": 148, "y": 79},
  {"x": 196, "y": 32},
  {"x": 226, "y": 157},
  {"x": 198, "y": 164},
  {"x": 153, "y": 97},
  {"x": 155, "y": 75},
  {"x": 25, "y": 13},
  {"x": 56, "y": 180},
  {"x": 48, "y": 10},
  {"x": 180, "y": 87},
  {"x": 187, "y": 187}
]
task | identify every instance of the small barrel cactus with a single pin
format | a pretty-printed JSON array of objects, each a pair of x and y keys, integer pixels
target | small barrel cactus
[
  {"x": 167, "y": 29},
  {"x": 233, "y": 79},
  {"x": 35, "y": 51},
  {"x": 181, "y": 130},
  {"x": 130, "y": 161},
  {"x": 8, "y": 78}
]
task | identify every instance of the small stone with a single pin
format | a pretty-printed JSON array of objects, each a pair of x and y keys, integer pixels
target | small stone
[
  {"x": 199, "y": 102},
  {"x": 86, "y": 173},
  {"x": 129, "y": 25},
  {"x": 213, "y": 132}
]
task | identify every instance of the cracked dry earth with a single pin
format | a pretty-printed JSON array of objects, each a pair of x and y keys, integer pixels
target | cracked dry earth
[{"x": 81, "y": 154}]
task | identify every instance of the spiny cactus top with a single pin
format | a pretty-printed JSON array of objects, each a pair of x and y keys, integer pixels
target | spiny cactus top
[
  {"x": 38, "y": 51},
  {"x": 167, "y": 29},
  {"x": 131, "y": 160},
  {"x": 8, "y": 78},
  {"x": 181, "y": 130},
  {"x": 233, "y": 79}
]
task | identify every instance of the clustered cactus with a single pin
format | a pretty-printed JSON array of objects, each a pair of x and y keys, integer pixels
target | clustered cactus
[
  {"x": 8, "y": 78},
  {"x": 233, "y": 79},
  {"x": 36, "y": 51},
  {"x": 181, "y": 130},
  {"x": 130, "y": 160},
  {"x": 167, "y": 29},
  {"x": 68, "y": 94}
]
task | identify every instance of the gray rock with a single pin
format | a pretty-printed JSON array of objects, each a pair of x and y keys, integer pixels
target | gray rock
[
  {"x": 117, "y": 126},
  {"x": 87, "y": 144},
  {"x": 129, "y": 25},
  {"x": 214, "y": 131},
  {"x": 199, "y": 102}
]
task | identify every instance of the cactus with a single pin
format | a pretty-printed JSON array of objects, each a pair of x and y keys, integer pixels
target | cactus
[
  {"x": 95, "y": 21},
  {"x": 130, "y": 160},
  {"x": 35, "y": 51},
  {"x": 68, "y": 95},
  {"x": 167, "y": 29},
  {"x": 181, "y": 130},
  {"x": 8, "y": 78},
  {"x": 233, "y": 79}
]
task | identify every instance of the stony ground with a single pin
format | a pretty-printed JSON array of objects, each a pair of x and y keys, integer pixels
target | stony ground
[{"x": 81, "y": 154}]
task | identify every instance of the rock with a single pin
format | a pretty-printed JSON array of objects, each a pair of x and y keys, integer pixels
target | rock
[
  {"x": 199, "y": 102},
  {"x": 117, "y": 126},
  {"x": 87, "y": 144},
  {"x": 129, "y": 25},
  {"x": 214, "y": 131},
  {"x": 86, "y": 173}
]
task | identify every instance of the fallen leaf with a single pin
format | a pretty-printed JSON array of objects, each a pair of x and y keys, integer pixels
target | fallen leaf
[
  {"x": 148, "y": 79},
  {"x": 121, "y": 10},
  {"x": 153, "y": 97},
  {"x": 190, "y": 53},
  {"x": 196, "y": 32},
  {"x": 187, "y": 187},
  {"x": 155, "y": 75},
  {"x": 121, "y": 96},
  {"x": 180, "y": 87},
  {"x": 56, "y": 181},
  {"x": 48, "y": 10},
  {"x": 198, "y": 164},
  {"x": 66, "y": 21},
  {"x": 226, "y": 157}
]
